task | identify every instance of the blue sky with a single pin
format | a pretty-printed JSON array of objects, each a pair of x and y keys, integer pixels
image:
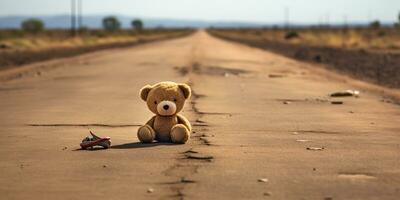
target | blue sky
[{"x": 265, "y": 11}]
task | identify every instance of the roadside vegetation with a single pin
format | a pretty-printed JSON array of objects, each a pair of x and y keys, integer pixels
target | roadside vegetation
[
  {"x": 370, "y": 53},
  {"x": 33, "y": 42},
  {"x": 367, "y": 38}
]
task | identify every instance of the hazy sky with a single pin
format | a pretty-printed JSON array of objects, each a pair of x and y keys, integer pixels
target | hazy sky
[{"x": 301, "y": 11}]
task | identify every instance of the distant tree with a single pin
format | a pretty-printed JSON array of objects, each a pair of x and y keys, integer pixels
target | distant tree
[
  {"x": 137, "y": 24},
  {"x": 398, "y": 18},
  {"x": 32, "y": 25},
  {"x": 111, "y": 23},
  {"x": 375, "y": 24},
  {"x": 397, "y": 24}
]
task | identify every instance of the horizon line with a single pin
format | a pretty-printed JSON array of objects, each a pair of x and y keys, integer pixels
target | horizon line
[{"x": 201, "y": 20}]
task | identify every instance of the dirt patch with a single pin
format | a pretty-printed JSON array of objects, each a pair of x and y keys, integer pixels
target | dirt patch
[
  {"x": 205, "y": 141},
  {"x": 315, "y": 100},
  {"x": 183, "y": 71},
  {"x": 196, "y": 68},
  {"x": 198, "y": 156},
  {"x": 219, "y": 71},
  {"x": 183, "y": 180},
  {"x": 377, "y": 67},
  {"x": 276, "y": 75}
]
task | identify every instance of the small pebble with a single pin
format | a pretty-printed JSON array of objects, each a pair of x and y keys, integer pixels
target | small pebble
[
  {"x": 267, "y": 193},
  {"x": 315, "y": 148},
  {"x": 150, "y": 190},
  {"x": 336, "y": 102},
  {"x": 302, "y": 140},
  {"x": 263, "y": 180}
]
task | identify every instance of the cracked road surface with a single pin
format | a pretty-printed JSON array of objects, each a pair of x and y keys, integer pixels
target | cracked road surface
[{"x": 264, "y": 128}]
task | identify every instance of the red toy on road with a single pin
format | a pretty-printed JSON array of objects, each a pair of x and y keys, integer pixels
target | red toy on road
[{"x": 91, "y": 142}]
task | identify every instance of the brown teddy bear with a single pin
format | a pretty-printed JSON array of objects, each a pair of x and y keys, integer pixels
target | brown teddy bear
[{"x": 165, "y": 99}]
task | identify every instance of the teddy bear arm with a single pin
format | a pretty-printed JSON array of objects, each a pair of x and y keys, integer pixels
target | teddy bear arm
[
  {"x": 151, "y": 122},
  {"x": 184, "y": 121}
]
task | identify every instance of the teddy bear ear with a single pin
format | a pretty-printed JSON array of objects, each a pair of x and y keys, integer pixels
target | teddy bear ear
[
  {"x": 144, "y": 92},
  {"x": 185, "y": 89}
]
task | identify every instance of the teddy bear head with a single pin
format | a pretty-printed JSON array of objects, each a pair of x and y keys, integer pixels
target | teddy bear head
[{"x": 165, "y": 98}]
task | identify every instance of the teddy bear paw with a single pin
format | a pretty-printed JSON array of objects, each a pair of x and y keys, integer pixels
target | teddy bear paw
[
  {"x": 179, "y": 134},
  {"x": 146, "y": 134}
]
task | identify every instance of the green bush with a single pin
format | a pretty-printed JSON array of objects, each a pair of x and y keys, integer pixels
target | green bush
[
  {"x": 137, "y": 24},
  {"x": 111, "y": 23},
  {"x": 375, "y": 24},
  {"x": 397, "y": 24},
  {"x": 291, "y": 35},
  {"x": 398, "y": 18},
  {"x": 32, "y": 25}
]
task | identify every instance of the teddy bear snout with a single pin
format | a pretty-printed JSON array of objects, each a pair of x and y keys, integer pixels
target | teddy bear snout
[{"x": 166, "y": 108}]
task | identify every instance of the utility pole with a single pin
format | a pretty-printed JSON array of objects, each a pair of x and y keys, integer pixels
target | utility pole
[
  {"x": 344, "y": 30},
  {"x": 76, "y": 16},
  {"x": 327, "y": 16},
  {"x": 320, "y": 21},
  {"x": 73, "y": 17},
  {"x": 369, "y": 16},
  {"x": 286, "y": 15},
  {"x": 80, "y": 14}
]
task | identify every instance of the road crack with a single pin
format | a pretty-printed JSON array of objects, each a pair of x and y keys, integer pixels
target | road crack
[
  {"x": 87, "y": 125},
  {"x": 192, "y": 159}
]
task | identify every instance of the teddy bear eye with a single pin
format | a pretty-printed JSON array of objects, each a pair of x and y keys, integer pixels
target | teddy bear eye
[
  {"x": 155, "y": 102},
  {"x": 175, "y": 100}
]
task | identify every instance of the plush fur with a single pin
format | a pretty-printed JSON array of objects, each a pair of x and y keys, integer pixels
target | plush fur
[{"x": 165, "y": 100}]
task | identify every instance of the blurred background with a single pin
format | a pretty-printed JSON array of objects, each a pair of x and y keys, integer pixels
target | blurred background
[
  {"x": 330, "y": 32},
  {"x": 201, "y": 13}
]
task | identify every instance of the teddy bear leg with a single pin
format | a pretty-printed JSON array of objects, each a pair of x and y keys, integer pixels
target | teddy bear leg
[
  {"x": 146, "y": 134},
  {"x": 179, "y": 134}
]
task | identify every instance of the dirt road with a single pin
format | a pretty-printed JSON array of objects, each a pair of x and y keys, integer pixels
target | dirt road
[{"x": 264, "y": 127}]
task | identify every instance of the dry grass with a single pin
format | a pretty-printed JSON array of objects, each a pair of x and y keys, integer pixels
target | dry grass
[
  {"x": 369, "y": 54},
  {"x": 387, "y": 39},
  {"x": 12, "y": 40},
  {"x": 17, "y": 48}
]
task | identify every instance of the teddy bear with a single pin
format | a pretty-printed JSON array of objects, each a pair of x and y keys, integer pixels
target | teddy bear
[{"x": 165, "y": 100}]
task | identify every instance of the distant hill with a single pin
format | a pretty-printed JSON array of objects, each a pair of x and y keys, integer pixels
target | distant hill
[{"x": 94, "y": 21}]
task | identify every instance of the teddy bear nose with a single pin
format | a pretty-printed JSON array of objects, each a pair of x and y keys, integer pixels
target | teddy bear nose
[{"x": 166, "y": 107}]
